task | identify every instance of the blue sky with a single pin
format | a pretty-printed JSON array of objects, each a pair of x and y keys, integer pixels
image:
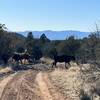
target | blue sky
[{"x": 21, "y": 15}]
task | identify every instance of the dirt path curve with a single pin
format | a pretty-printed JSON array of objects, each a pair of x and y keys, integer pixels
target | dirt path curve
[
  {"x": 4, "y": 82},
  {"x": 48, "y": 91},
  {"x": 13, "y": 87},
  {"x": 30, "y": 85}
]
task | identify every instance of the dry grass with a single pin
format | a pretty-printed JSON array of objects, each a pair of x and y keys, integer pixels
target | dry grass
[
  {"x": 46, "y": 60},
  {"x": 5, "y": 70},
  {"x": 70, "y": 82},
  {"x": 74, "y": 83}
]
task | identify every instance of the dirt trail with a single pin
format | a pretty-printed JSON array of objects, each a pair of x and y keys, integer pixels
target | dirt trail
[
  {"x": 43, "y": 87},
  {"x": 57, "y": 84},
  {"x": 4, "y": 82},
  {"x": 13, "y": 87},
  {"x": 29, "y": 85},
  {"x": 48, "y": 92}
]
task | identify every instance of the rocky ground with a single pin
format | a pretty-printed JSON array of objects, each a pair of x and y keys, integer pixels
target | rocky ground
[{"x": 42, "y": 82}]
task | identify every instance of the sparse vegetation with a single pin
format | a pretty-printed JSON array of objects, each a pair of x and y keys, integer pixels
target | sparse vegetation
[
  {"x": 85, "y": 50},
  {"x": 78, "y": 82}
]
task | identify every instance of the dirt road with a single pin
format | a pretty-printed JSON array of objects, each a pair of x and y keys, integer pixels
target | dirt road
[
  {"x": 29, "y": 85},
  {"x": 56, "y": 84}
]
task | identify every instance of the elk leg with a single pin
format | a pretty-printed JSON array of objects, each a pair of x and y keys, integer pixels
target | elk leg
[
  {"x": 77, "y": 63},
  {"x": 69, "y": 64},
  {"x": 55, "y": 63},
  {"x": 21, "y": 61},
  {"x": 66, "y": 66}
]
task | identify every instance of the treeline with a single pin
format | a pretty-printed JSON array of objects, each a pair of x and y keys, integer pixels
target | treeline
[{"x": 85, "y": 50}]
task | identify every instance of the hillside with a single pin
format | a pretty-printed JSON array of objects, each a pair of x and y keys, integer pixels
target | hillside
[
  {"x": 57, "y": 35},
  {"x": 12, "y": 36}
]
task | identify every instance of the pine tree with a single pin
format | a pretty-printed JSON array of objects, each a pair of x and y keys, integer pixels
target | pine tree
[{"x": 29, "y": 43}]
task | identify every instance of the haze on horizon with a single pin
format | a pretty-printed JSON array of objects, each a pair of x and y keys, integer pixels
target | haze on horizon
[{"x": 22, "y": 15}]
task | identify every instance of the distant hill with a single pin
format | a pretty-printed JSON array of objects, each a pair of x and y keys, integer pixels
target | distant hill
[
  {"x": 15, "y": 38},
  {"x": 57, "y": 35},
  {"x": 19, "y": 35}
]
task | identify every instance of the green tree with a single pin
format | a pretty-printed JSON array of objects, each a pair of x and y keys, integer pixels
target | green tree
[
  {"x": 73, "y": 45},
  {"x": 2, "y": 27},
  {"x": 49, "y": 50},
  {"x": 5, "y": 41},
  {"x": 44, "y": 39},
  {"x": 89, "y": 50},
  {"x": 69, "y": 46},
  {"x": 20, "y": 50},
  {"x": 29, "y": 43},
  {"x": 37, "y": 52}
]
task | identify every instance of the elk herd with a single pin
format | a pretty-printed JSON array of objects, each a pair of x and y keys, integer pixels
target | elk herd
[{"x": 24, "y": 58}]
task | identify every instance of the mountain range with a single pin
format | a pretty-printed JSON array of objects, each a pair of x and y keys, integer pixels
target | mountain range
[{"x": 57, "y": 35}]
